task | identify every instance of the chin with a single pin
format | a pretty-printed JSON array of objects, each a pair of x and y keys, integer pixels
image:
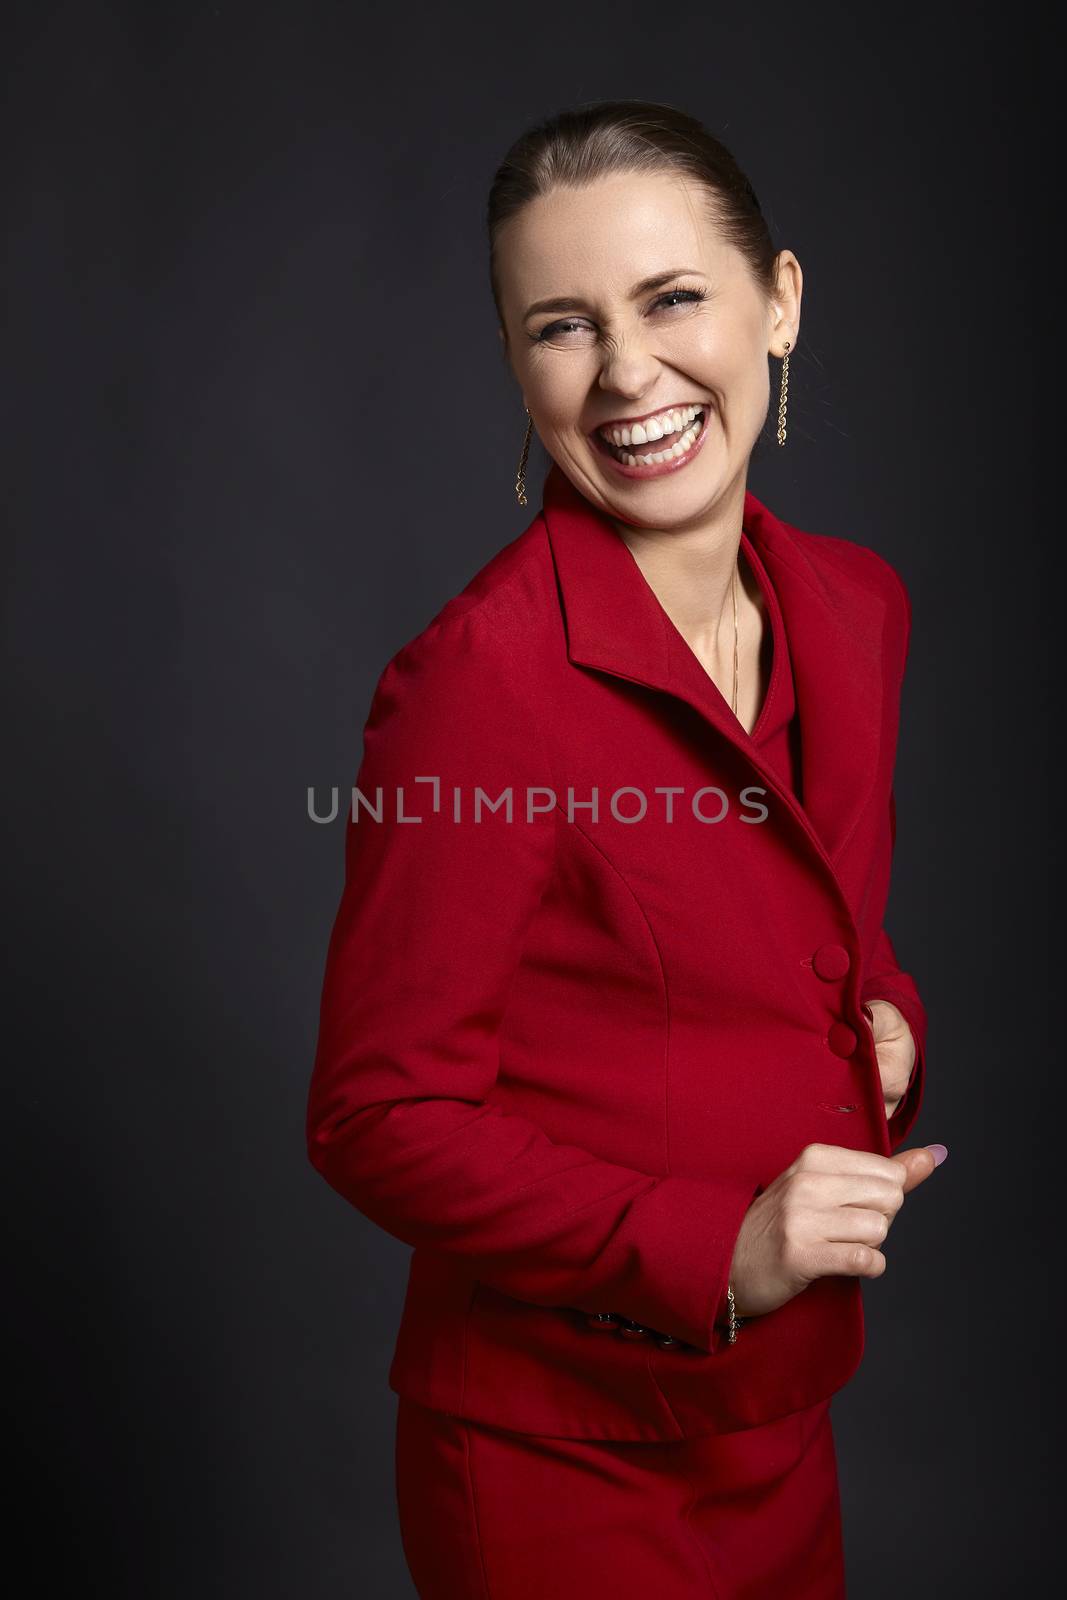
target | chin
[{"x": 663, "y": 501}]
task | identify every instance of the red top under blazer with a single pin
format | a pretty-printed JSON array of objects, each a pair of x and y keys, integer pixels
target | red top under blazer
[{"x": 560, "y": 1052}]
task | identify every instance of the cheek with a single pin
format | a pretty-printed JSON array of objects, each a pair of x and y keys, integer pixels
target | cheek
[
  {"x": 724, "y": 357},
  {"x": 558, "y": 392}
]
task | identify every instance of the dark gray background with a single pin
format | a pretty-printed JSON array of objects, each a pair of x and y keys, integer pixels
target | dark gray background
[{"x": 239, "y": 239}]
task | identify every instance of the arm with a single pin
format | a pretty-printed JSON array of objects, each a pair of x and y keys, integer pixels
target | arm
[
  {"x": 885, "y": 980},
  {"x": 401, "y": 1117}
]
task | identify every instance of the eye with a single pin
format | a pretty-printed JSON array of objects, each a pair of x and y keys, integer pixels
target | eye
[
  {"x": 578, "y": 331},
  {"x": 683, "y": 296},
  {"x": 559, "y": 331}
]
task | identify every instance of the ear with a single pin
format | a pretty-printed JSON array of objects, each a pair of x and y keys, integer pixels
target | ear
[{"x": 785, "y": 306}]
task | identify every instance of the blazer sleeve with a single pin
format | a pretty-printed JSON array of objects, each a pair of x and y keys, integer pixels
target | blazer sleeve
[
  {"x": 885, "y": 979},
  {"x": 402, "y": 1120}
]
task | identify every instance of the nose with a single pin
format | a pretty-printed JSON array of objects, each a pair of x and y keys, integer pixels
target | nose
[{"x": 629, "y": 368}]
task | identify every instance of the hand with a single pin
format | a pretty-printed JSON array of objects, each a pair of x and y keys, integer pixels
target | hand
[
  {"x": 895, "y": 1048},
  {"x": 824, "y": 1216}
]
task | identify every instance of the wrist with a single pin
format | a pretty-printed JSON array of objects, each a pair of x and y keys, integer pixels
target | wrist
[{"x": 728, "y": 1318}]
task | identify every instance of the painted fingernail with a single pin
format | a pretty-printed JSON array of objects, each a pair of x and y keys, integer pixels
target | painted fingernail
[{"x": 939, "y": 1152}]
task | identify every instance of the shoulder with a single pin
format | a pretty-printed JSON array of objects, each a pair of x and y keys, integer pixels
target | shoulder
[
  {"x": 471, "y": 671},
  {"x": 487, "y": 614},
  {"x": 831, "y": 554}
]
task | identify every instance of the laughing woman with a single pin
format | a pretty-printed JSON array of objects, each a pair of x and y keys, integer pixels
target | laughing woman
[{"x": 612, "y": 1032}]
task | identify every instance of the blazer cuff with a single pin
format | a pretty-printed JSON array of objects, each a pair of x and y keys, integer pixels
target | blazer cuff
[{"x": 688, "y": 1234}]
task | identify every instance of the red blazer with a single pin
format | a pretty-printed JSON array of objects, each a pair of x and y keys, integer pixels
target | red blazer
[{"x": 559, "y": 1053}]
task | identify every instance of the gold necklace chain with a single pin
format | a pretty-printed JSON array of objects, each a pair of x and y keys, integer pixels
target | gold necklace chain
[{"x": 733, "y": 585}]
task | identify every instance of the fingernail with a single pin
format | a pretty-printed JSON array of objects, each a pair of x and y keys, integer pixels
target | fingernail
[{"x": 939, "y": 1152}]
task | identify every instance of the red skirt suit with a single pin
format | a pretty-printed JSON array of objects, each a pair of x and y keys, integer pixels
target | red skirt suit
[{"x": 595, "y": 980}]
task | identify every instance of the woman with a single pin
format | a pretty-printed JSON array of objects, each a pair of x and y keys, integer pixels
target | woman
[{"x": 611, "y": 1031}]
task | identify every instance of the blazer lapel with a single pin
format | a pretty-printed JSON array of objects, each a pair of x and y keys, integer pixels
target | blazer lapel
[{"x": 615, "y": 623}]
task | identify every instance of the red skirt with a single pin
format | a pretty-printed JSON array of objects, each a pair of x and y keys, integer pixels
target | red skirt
[{"x": 486, "y": 1514}]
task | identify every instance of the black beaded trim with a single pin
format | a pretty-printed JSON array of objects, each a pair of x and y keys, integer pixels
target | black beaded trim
[{"x": 624, "y": 1328}]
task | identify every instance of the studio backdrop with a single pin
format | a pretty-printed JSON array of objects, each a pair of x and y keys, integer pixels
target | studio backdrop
[{"x": 259, "y": 431}]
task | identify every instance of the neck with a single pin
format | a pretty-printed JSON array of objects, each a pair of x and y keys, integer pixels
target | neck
[{"x": 690, "y": 570}]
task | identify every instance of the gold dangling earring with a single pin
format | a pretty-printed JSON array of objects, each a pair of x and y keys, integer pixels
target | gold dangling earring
[
  {"x": 783, "y": 394},
  {"x": 520, "y": 481}
]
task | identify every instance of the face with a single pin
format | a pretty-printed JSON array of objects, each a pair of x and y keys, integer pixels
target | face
[{"x": 624, "y": 307}]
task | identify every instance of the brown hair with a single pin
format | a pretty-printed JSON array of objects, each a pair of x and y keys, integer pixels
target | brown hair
[{"x": 577, "y": 146}]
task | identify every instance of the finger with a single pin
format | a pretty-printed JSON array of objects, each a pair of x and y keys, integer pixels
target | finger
[
  {"x": 832, "y": 1260},
  {"x": 887, "y": 1021},
  {"x": 918, "y": 1163},
  {"x": 855, "y": 1225},
  {"x": 824, "y": 1190},
  {"x": 843, "y": 1160},
  {"x": 874, "y": 1023}
]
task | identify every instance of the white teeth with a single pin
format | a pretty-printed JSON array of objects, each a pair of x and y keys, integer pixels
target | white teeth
[
  {"x": 652, "y": 428},
  {"x": 680, "y": 447}
]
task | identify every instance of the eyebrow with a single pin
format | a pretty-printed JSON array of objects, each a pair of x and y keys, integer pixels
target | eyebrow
[{"x": 574, "y": 303}]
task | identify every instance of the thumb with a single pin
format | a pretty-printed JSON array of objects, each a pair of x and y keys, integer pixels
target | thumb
[{"x": 919, "y": 1162}]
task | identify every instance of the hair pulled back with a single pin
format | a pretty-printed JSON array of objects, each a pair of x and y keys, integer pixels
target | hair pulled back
[{"x": 577, "y": 146}]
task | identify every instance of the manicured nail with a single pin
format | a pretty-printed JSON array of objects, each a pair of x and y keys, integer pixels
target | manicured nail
[{"x": 939, "y": 1152}]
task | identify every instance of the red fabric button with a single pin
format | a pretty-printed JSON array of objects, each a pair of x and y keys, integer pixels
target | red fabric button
[
  {"x": 831, "y": 961},
  {"x": 841, "y": 1039}
]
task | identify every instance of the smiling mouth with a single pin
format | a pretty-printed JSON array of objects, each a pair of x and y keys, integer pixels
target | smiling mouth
[{"x": 649, "y": 453}]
